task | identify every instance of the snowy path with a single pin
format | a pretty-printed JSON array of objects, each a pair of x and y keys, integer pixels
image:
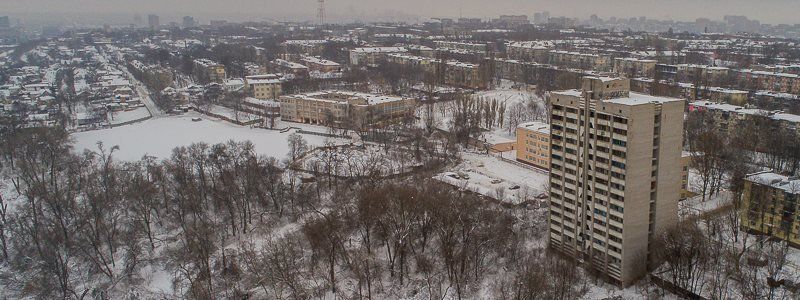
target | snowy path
[{"x": 144, "y": 95}]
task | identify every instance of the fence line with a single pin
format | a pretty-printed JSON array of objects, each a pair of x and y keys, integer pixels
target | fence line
[{"x": 131, "y": 121}]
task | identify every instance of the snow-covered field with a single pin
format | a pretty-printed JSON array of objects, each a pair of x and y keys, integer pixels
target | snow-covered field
[{"x": 157, "y": 137}]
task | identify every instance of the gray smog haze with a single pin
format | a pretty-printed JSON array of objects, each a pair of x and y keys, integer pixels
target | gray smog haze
[{"x": 767, "y": 11}]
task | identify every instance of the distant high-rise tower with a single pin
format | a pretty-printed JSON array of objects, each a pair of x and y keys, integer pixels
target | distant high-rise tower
[
  {"x": 188, "y": 22},
  {"x": 4, "y": 22},
  {"x": 321, "y": 11},
  {"x": 152, "y": 21}
]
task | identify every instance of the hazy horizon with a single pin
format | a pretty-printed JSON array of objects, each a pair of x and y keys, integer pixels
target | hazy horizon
[{"x": 354, "y": 10}]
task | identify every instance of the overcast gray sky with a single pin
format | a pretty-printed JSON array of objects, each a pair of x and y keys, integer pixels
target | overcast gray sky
[{"x": 768, "y": 11}]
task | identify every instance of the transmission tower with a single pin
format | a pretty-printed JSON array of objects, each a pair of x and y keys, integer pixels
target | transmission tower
[{"x": 321, "y": 12}]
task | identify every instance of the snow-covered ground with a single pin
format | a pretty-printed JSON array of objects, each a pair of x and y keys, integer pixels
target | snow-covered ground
[
  {"x": 120, "y": 117},
  {"x": 696, "y": 206},
  {"x": 157, "y": 137},
  {"x": 483, "y": 169},
  {"x": 220, "y": 110},
  {"x": 513, "y": 100},
  {"x": 517, "y": 105}
]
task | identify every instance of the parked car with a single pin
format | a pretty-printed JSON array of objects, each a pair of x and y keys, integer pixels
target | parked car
[
  {"x": 452, "y": 175},
  {"x": 513, "y": 187},
  {"x": 197, "y": 119},
  {"x": 496, "y": 181}
]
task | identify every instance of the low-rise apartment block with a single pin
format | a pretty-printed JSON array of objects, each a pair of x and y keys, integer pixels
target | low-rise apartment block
[
  {"x": 533, "y": 144},
  {"x": 583, "y": 61},
  {"x": 372, "y": 56},
  {"x": 770, "y": 206},
  {"x": 259, "y": 107},
  {"x": 470, "y": 47},
  {"x": 729, "y": 116},
  {"x": 264, "y": 87},
  {"x": 420, "y": 50},
  {"x": 771, "y": 81},
  {"x": 207, "y": 70},
  {"x": 287, "y": 67},
  {"x": 306, "y": 47},
  {"x": 458, "y": 74},
  {"x": 701, "y": 73},
  {"x": 634, "y": 67},
  {"x": 316, "y": 64},
  {"x": 344, "y": 109},
  {"x": 536, "y": 51}
]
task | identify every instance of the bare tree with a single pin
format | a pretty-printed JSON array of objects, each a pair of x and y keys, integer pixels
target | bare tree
[{"x": 297, "y": 146}]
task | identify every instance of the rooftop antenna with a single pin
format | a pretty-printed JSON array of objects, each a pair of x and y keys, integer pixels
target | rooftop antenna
[{"x": 321, "y": 12}]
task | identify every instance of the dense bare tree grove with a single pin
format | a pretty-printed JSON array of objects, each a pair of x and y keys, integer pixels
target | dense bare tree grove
[{"x": 227, "y": 223}]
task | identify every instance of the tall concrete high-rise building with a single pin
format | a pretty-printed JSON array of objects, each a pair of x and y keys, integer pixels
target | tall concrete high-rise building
[
  {"x": 541, "y": 17},
  {"x": 188, "y": 22},
  {"x": 153, "y": 21},
  {"x": 4, "y": 22},
  {"x": 615, "y": 174}
]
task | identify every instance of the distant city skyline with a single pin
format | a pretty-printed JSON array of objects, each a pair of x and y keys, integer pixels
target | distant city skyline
[{"x": 409, "y": 10}]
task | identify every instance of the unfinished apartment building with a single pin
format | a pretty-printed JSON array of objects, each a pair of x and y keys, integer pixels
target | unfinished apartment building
[{"x": 615, "y": 175}]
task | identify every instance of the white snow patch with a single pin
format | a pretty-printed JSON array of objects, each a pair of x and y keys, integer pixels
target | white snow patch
[{"x": 157, "y": 137}]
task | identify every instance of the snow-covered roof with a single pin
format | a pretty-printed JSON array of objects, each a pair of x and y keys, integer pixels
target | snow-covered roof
[
  {"x": 342, "y": 96},
  {"x": 288, "y": 64},
  {"x": 204, "y": 62},
  {"x": 779, "y": 116},
  {"x": 379, "y": 50},
  {"x": 320, "y": 61},
  {"x": 259, "y": 102},
  {"x": 633, "y": 59},
  {"x": 536, "y": 126},
  {"x": 778, "y": 95},
  {"x": 419, "y": 47},
  {"x": 604, "y": 78},
  {"x": 233, "y": 81},
  {"x": 576, "y": 53},
  {"x": 536, "y": 45},
  {"x": 573, "y": 93},
  {"x": 727, "y": 91},
  {"x": 775, "y": 180},
  {"x": 305, "y": 42},
  {"x": 638, "y": 99}
]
